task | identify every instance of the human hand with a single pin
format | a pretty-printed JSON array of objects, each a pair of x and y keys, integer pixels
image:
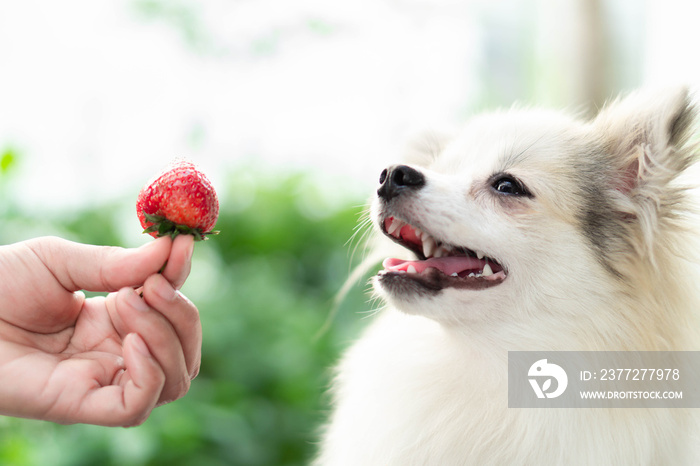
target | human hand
[{"x": 103, "y": 360}]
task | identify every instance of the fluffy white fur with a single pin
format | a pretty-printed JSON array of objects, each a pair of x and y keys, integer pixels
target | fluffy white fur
[{"x": 601, "y": 256}]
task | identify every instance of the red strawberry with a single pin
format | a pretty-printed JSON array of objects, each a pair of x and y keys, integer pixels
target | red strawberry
[{"x": 181, "y": 200}]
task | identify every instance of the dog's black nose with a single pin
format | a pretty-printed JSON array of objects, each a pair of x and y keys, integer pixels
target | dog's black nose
[{"x": 398, "y": 179}]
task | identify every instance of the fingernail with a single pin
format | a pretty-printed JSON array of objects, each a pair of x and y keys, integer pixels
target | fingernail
[
  {"x": 135, "y": 301},
  {"x": 151, "y": 244},
  {"x": 139, "y": 344},
  {"x": 190, "y": 250},
  {"x": 118, "y": 376},
  {"x": 184, "y": 298},
  {"x": 165, "y": 290},
  {"x": 148, "y": 244}
]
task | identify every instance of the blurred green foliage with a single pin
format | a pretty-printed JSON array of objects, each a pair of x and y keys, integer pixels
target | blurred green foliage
[
  {"x": 183, "y": 15},
  {"x": 8, "y": 159},
  {"x": 264, "y": 287},
  {"x": 187, "y": 18}
]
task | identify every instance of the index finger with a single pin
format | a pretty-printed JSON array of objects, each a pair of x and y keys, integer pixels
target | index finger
[{"x": 179, "y": 263}]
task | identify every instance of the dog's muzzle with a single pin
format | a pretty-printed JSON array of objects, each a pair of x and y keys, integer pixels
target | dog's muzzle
[{"x": 438, "y": 265}]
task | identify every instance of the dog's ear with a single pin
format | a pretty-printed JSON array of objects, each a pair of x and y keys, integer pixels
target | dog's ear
[
  {"x": 643, "y": 134},
  {"x": 424, "y": 147},
  {"x": 647, "y": 140}
]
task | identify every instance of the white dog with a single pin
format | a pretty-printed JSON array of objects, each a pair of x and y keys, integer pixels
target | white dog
[{"x": 530, "y": 230}]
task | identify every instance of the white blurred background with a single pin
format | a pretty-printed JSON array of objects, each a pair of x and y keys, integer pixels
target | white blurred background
[{"x": 98, "y": 95}]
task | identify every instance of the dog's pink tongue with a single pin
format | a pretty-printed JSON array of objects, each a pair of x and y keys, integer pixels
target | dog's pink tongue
[{"x": 447, "y": 265}]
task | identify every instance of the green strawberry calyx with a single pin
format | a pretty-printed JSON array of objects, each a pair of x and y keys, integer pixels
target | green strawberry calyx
[{"x": 164, "y": 227}]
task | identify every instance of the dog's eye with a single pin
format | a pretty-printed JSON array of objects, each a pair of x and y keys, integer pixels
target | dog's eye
[{"x": 509, "y": 186}]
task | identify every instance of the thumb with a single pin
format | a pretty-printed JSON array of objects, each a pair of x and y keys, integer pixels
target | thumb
[{"x": 100, "y": 268}]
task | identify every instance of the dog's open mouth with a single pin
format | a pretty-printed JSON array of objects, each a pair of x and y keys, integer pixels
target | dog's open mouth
[{"x": 439, "y": 265}]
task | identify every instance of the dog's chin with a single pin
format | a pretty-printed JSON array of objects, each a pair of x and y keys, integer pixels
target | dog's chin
[{"x": 435, "y": 295}]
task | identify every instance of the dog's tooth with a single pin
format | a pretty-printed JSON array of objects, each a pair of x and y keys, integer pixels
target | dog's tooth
[
  {"x": 487, "y": 271},
  {"x": 440, "y": 252},
  {"x": 479, "y": 255},
  {"x": 395, "y": 226},
  {"x": 428, "y": 246},
  {"x": 411, "y": 269},
  {"x": 455, "y": 275},
  {"x": 497, "y": 276}
]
